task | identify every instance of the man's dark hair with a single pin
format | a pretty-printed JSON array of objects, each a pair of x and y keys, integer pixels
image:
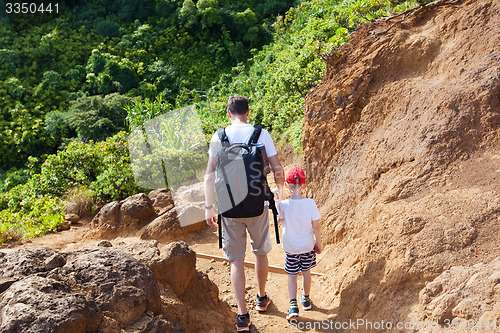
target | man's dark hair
[{"x": 237, "y": 105}]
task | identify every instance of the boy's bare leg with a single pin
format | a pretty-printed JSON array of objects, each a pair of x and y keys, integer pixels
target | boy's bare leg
[
  {"x": 306, "y": 282},
  {"x": 261, "y": 269},
  {"x": 238, "y": 284},
  {"x": 292, "y": 286}
]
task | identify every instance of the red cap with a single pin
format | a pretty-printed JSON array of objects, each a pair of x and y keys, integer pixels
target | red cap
[{"x": 295, "y": 176}]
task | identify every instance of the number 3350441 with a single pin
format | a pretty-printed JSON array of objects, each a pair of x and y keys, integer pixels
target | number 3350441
[{"x": 30, "y": 8}]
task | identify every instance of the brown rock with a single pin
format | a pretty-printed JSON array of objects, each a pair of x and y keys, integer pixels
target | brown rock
[
  {"x": 136, "y": 208},
  {"x": 55, "y": 261},
  {"x": 108, "y": 215},
  {"x": 162, "y": 324},
  {"x": 175, "y": 267},
  {"x": 36, "y": 304},
  {"x": 126, "y": 284},
  {"x": 165, "y": 227},
  {"x": 72, "y": 218},
  {"x": 66, "y": 225},
  {"x": 161, "y": 198}
]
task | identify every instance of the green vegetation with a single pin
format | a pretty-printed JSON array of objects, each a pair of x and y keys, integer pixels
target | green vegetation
[{"x": 72, "y": 82}]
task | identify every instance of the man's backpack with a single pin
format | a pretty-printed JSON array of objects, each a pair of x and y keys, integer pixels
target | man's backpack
[{"x": 240, "y": 181}]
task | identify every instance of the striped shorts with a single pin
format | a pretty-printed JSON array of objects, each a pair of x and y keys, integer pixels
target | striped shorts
[{"x": 294, "y": 263}]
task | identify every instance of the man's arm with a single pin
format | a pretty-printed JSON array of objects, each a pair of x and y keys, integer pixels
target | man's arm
[
  {"x": 209, "y": 184},
  {"x": 279, "y": 175}
]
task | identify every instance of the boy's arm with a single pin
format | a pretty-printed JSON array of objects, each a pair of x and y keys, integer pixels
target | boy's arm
[{"x": 317, "y": 234}]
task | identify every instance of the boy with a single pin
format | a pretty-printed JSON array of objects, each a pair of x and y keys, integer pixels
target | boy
[{"x": 301, "y": 238}]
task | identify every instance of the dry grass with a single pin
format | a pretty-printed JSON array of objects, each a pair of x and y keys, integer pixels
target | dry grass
[
  {"x": 10, "y": 234},
  {"x": 78, "y": 201}
]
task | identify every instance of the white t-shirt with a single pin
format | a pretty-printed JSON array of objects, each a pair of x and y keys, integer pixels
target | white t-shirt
[
  {"x": 241, "y": 134},
  {"x": 297, "y": 215}
]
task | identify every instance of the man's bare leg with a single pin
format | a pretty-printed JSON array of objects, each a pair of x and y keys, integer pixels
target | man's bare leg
[
  {"x": 261, "y": 269},
  {"x": 238, "y": 284}
]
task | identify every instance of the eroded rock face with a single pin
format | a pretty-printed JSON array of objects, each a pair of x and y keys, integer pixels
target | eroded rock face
[
  {"x": 37, "y": 304},
  {"x": 123, "y": 287},
  {"x": 108, "y": 288},
  {"x": 174, "y": 266},
  {"x": 463, "y": 293},
  {"x": 74, "y": 291},
  {"x": 401, "y": 149}
]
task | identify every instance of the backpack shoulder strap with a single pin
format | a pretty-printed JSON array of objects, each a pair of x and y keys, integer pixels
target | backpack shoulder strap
[
  {"x": 221, "y": 132},
  {"x": 256, "y": 134}
]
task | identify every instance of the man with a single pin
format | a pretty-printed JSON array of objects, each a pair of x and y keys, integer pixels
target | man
[{"x": 234, "y": 229}]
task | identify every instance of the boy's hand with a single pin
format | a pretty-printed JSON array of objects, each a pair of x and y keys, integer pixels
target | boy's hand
[
  {"x": 211, "y": 217},
  {"x": 278, "y": 194},
  {"x": 317, "y": 248}
]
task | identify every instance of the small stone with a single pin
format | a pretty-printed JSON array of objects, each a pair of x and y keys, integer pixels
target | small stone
[
  {"x": 64, "y": 226},
  {"x": 55, "y": 261},
  {"x": 104, "y": 243},
  {"x": 72, "y": 218}
]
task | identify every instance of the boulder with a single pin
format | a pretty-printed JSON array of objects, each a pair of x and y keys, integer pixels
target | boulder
[
  {"x": 136, "y": 208},
  {"x": 122, "y": 287},
  {"x": 72, "y": 218},
  {"x": 192, "y": 193},
  {"x": 108, "y": 215},
  {"x": 25, "y": 262},
  {"x": 37, "y": 304},
  {"x": 175, "y": 266},
  {"x": 122, "y": 217},
  {"x": 191, "y": 216},
  {"x": 161, "y": 198},
  {"x": 165, "y": 227},
  {"x": 107, "y": 289}
]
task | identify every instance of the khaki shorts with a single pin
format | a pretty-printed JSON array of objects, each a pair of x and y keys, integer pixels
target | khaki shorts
[{"x": 234, "y": 236}]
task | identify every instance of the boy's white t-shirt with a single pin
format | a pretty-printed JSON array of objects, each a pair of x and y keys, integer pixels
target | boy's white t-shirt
[
  {"x": 297, "y": 215},
  {"x": 241, "y": 134}
]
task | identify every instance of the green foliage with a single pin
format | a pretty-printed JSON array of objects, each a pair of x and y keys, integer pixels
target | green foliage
[
  {"x": 37, "y": 216},
  {"x": 35, "y": 207},
  {"x": 143, "y": 48},
  {"x": 87, "y": 72},
  {"x": 142, "y": 111},
  {"x": 108, "y": 28},
  {"x": 94, "y": 118},
  {"x": 280, "y": 75},
  {"x": 9, "y": 61}
]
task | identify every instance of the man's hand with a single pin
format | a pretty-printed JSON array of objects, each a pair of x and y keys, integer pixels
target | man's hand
[{"x": 211, "y": 217}]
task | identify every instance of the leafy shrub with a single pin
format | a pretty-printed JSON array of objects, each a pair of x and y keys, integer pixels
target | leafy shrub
[
  {"x": 92, "y": 118},
  {"x": 83, "y": 173},
  {"x": 108, "y": 28},
  {"x": 32, "y": 216},
  {"x": 9, "y": 60}
]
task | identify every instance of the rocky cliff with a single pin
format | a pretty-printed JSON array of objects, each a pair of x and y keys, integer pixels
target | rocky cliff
[{"x": 402, "y": 149}]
